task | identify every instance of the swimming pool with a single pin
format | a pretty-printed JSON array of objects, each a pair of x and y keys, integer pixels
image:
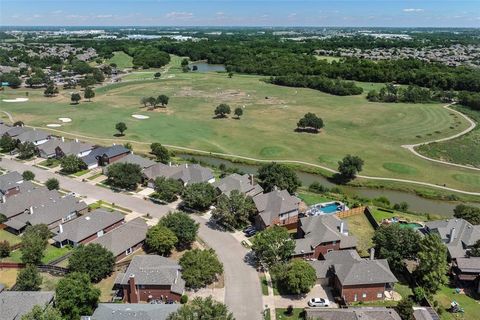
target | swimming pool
[
  {"x": 330, "y": 208},
  {"x": 411, "y": 225},
  {"x": 326, "y": 208}
]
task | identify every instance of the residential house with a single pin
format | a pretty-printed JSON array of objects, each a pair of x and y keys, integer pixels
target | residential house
[
  {"x": 15, "y": 304},
  {"x": 10, "y": 184},
  {"x": 103, "y": 156},
  {"x": 467, "y": 271},
  {"x": 353, "y": 278},
  {"x": 140, "y": 311},
  {"x": 457, "y": 234},
  {"x": 21, "y": 202},
  {"x": 424, "y": 313},
  {"x": 37, "y": 137},
  {"x": 87, "y": 227},
  {"x": 151, "y": 277},
  {"x": 186, "y": 173},
  {"x": 277, "y": 207},
  {"x": 362, "y": 313},
  {"x": 243, "y": 183},
  {"x": 13, "y": 132},
  {"x": 134, "y": 159},
  {"x": 59, "y": 148},
  {"x": 125, "y": 239},
  {"x": 51, "y": 213},
  {"x": 318, "y": 235}
]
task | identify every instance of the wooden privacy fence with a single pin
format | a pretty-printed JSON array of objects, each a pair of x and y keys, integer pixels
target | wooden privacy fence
[
  {"x": 42, "y": 268},
  {"x": 351, "y": 212}
]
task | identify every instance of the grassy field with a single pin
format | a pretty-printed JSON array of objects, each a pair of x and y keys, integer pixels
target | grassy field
[
  {"x": 446, "y": 295},
  {"x": 373, "y": 131},
  {"x": 297, "y": 314},
  {"x": 50, "y": 254},
  {"x": 311, "y": 198},
  {"x": 380, "y": 215},
  {"x": 8, "y": 277},
  {"x": 11, "y": 238},
  {"x": 360, "y": 227},
  {"x": 105, "y": 287},
  {"x": 463, "y": 150},
  {"x": 121, "y": 59}
]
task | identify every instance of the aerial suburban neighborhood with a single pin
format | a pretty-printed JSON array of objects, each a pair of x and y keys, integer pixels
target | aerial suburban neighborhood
[{"x": 222, "y": 160}]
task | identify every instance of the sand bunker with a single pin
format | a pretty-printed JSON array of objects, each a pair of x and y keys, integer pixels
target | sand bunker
[
  {"x": 53, "y": 125},
  {"x": 65, "y": 120},
  {"x": 15, "y": 100},
  {"x": 140, "y": 116}
]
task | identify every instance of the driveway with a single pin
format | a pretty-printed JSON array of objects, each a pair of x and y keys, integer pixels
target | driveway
[
  {"x": 242, "y": 286},
  {"x": 317, "y": 291}
]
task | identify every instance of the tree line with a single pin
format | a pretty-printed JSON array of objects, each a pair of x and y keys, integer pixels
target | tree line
[{"x": 336, "y": 87}]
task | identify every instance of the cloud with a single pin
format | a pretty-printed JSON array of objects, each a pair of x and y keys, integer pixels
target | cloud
[
  {"x": 413, "y": 10},
  {"x": 56, "y": 12},
  {"x": 292, "y": 15},
  {"x": 179, "y": 15},
  {"x": 220, "y": 13},
  {"x": 104, "y": 16}
]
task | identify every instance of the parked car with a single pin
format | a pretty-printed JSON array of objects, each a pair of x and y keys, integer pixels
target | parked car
[
  {"x": 319, "y": 302},
  {"x": 250, "y": 233},
  {"x": 248, "y": 229}
]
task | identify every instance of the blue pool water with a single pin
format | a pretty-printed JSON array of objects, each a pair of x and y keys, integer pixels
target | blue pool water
[{"x": 329, "y": 208}]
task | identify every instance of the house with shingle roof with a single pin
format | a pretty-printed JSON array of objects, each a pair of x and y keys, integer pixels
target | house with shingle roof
[
  {"x": 137, "y": 311},
  {"x": 10, "y": 184},
  {"x": 134, "y": 159},
  {"x": 276, "y": 207},
  {"x": 151, "y": 277},
  {"x": 243, "y": 183},
  {"x": 361, "y": 313},
  {"x": 125, "y": 239},
  {"x": 15, "y": 304},
  {"x": 103, "y": 156},
  {"x": 21, "y": 202},
  {"x": 354, "y": 278},
  {"x": 318, "y": 235},
  {"x": 58, "y": 148},
  {"x": 186, "y": 173},
  {"x": 37, "y": 137},
  {"x": 87, "y": 227},
  {"x": 457, "y": 234},
  {"x": 467, "y": 271}
]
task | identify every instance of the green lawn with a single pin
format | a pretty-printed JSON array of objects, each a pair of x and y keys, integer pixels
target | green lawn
[
  {"x": 472, "y": 307},
  {"x": 380, "y": 215},
  {"x": 10, "y": 237},
  {"x": 50, "y": 254},
  {"x": 297, "y": 314},
  {"x": 121, "y": 59},
  {"x": 312, "y": 198},
  {"x": 50, "y": 163},
  {"x": 81, "y": 173},
  {"x": 263, "y": 282},
  {"x": 352, "y": 124},
  {"x": 95, "y": 176},
  {"x": 360, "y": 227}
]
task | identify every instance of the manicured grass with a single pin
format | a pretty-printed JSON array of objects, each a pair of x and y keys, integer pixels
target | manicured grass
[
  {"x": 267, "y": 315},
  {"x": 328, "y": 58},
  {"x": 472, "y": 306},
  {"x": 50, "y": 254},
  {"x": 297, "y": 314},
  {"x": 403, "y": 289},
  {"x": 8, "y": 277},
  {"x": 95, "y": 176},
  {"x": 49, "y": 282},
  {"x": 11, "y": 238},
  {"x": 121, "y": 59},
  {"x": 81, "y": 173},
  {"x": 360, "y": 227},
  {"x": 352, "y": 124},
  {"x": 312, "y": 198},
  {"x": 263, "y": 282},
  {"x": 50, "y": 163},
  {"x": 380, "y": 215}
]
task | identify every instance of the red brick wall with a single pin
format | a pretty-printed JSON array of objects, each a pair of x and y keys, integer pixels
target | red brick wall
[
  {"x": 106, "y": 160},
  {"x": 323, "y": 248},
  {"x": 123, "y": 254},
  {"x": 348, "y": 292},
  {"x": 157, "y": 292}
]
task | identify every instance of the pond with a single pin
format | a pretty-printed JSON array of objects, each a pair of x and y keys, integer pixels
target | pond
[
  {"x": 206, "y": 67},
  {"x": 415, "y": 202}
]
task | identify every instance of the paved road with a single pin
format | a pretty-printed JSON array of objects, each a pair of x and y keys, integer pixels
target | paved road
[{"x": 242, "y": 285}]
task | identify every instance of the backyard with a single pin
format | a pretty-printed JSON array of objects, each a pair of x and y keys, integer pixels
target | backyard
[
  {"x": 50, "y": 254},
  {"x": 361, "y": 228},
  {"x": 446, "y": 295},
  {"x": 9, "y": 237}
]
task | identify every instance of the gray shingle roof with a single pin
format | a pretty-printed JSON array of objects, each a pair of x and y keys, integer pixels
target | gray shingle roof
[
  {"x": 10, "y": 180},
  {"x": 242, "y": 183},
  {"x": 87, "y": 225},
  {"x": 274, "y": 203},
  {"x": 187, "y": 173},
  {"x": 469, "y": 265},
  {"x": 364, "y": 272},
  {"x": 14, "y": 304},
  {"x": 154, "y": 270},
  {"x": 365, "y": 313},
  {"x": 15, "y": 131},
  {"x": 67, "y": 147},
  {"x": 110, "y": 152},
  {"x": 32, "y": 136},
  {"x": 124, "y": 237},
  {"x": 22, "y": 201},
  {"x": 135, "y": 159},
  {"x": 133, "y": 311}
]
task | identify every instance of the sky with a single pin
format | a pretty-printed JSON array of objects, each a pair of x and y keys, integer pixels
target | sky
[{"x": 333, "y": 13}]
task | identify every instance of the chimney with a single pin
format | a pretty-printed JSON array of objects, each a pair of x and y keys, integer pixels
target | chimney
[
  {"x": 252, "y": 179},
  {"x": 76, "y": 140},
  {"x": 452, "y": 235},
  {"x": 60, "y": 228},
  {"x": 341, "y": 227},
  {"x": 170, "y": 163},
  {"x": 4, "y": 199},
  {"x": 30, "y": 210},
  {"x": 63, "y": 139},
  {"x": 186, "y": 165},
  {"x": 372, "y": 253},
  {"x": 132, "y": 290}
]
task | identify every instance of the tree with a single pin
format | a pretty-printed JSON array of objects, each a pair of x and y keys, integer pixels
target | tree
[
  {"x": 202, "y": 308},
  {"x": 75, "y": 98},
  {"x": 93, "y": 260},
  {"x": 26, "y": 150},
  {"x": 167, "y": 189},
  {"x": 433, "y": 265},
  {"x": 4, "y": 249},
  {"x": 42, "y": 313},
  {"x": 124, "y": 175},
  {"x": 152, "y": 101},
  {"x": 121, "y": 127},
  {"x": 50, "y": 91},
  {"x": 405, "y": 309},
  {"x": 52, "y": 184},
  {"x": 40, "y": 230},
  {"x": 230, "y": 75},
  {"x": 198, "y": 196},
  {"x": 184, "y": 228},
  {"x": 76, "y": 296},
  {"x": 89, "y": 93},
  {"x": 200, "y": 267},
  {"x": 350, "y": 166},
  {"x": 222, "y": 110},
  {"x": 144, "y": 101},
  {"x": 33, "y": 246},
  {"x": 28, "y": 279},
  {"x": 3, "y": 218},
  {"x": 278, "y": 175},
  {"x": 157, "y": 75},
  {"x": 7, "y": 143},
  {"x": 299, "y": 277},
  {"x": 184, "y": 62},
  {"x": 128, "y": 145},
  {"x": 160, "y": 152},
  {"x": 238, "y": 112},
  {"x": 163, "y": 100},
  {"x": 394, "y": 243},
  {"x": 28, "y": 175},
  {"x": 234, "y": 211},
  {"x": 310, "y": 122},
  {"x": 474, "y": 250},
  {"x": 71, "y": 164},
  {"x": 273, "y": 245},
  {"x": 98, "y": 75},
  {"x": 469, "y": 213},
  {"x": 160, "y": 240},
  {"x": 18, "y": 123}
]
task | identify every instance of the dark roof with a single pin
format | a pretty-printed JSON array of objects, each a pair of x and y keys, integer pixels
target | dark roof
[
  {"x": 32, "y": 136},
  {"x": 420, "y": 313},
  {"x": 154, "y": 270},
  {"x": 331, "y": 258},
  {"x": 242, "y": 183},
  {"x": 274, "y": 203},
  {"x": 15, "y": 131},
  {"x": 67, "y": 147},
  {"x": 365, "y": 313},
  {"x": 124, "y": 237},
  {"x": 135, "y": 159},
  {"x": 14, "y": 304},
  {"x": 110, "y": 152},
  {"x": 133, "y": 311},
  {"x": 87, "y": 225},
  {"x": 468, "y": 265},
  {"x": 187, "y": 173},
  {"x": 22, "y": 201},
  {"x": 10, "y": 180}
]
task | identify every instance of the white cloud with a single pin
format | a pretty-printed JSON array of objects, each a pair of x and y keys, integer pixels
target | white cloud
[
  {"x": 57, "y": 12},
  {"x": 220, "y": 13},
  {"x": 179, "y": 15},
  {"x": 104, "y": 16},
  {"x": 292, "y": 15},
  {"x": 413, "y": 10}
]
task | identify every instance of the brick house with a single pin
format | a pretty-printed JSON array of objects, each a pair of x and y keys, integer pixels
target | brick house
[
  {"x": 103, "y": 156},
  {"x": 151, "y": 277},
  {"x": 318, "y": 235},
  {"x": 10, "y": 184},
  {"x": 185, "y": 173},
  {"x": 87, "y": 228},
  {"x": 243, "y": 183},
  {"x": 277, "y": 207},
  {"x": 59, "y": 148},
  {"x": 467, "y": 272}
]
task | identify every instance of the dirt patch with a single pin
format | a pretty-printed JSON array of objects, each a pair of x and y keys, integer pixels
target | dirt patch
[{"x": 176, "y": 255}]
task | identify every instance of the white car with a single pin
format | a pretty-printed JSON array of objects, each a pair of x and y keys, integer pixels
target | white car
[{"x": 319, "y": 302}]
